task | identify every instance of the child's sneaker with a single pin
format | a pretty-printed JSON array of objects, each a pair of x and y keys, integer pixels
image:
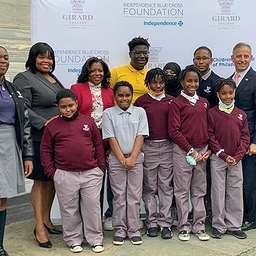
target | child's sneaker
[
  {"x": 118, "y": 240},
  {"x": 202, "y": 235},
  {"x": 75, "y": 248},
  {"x": 152, "y": 232},
  {"x": 166, "y": 233},
  {"x": 237, "y": 233},
  {"x": 184, "y": 235},
  {"x": 216, "y": 233},
  {"x": 3, "y": 252},
  {"x": 98, "y": 248},
  {"x": 136, "y": 240}
]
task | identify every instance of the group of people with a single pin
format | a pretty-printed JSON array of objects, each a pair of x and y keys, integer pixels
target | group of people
[{"x": 161, "y": 134}]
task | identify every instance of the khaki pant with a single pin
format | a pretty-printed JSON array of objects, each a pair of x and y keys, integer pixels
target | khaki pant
[
  {"x": 189, "y": 180},
  {"x": 226, "y": 194},
  {"x": 157, "y": 180},
  {"x": 127, "y": 190},
  {"x": 79, "y": 199}
]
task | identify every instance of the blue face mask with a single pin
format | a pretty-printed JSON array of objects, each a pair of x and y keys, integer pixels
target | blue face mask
[
  {"x": 226, "y": 106},
  {"x": 191, "y": 160}
]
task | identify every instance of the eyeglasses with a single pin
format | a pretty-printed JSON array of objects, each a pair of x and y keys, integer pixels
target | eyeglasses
[
  {"x": 138, "y": 53},
  {"x": 201, "y": 58}
]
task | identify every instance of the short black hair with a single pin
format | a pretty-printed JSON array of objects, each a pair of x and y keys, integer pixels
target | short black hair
[
  {"x": 190, "y": 68},
  {"x": 138, "y": 41},
  {"x": 65, "y": 93},
  {"x": 219, "y": 83},
  {"x": 122, "y": 83},
  {"x": 39, "y": 49},
  {"x": 152, "y": 73},
  {"x": 203, "y": 48},
  {"x": 86, "y": 69}
]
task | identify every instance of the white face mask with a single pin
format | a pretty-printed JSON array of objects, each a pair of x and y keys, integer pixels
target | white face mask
[{"x": 226, "y": 106}]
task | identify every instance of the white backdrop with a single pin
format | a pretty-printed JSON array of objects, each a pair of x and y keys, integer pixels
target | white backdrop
[{"x": 79, "y": 29}]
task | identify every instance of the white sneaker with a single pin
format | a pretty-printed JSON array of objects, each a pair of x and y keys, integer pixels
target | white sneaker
[
  {"x": 184, "y": 235},
  {"x": 76, "y": 248},
  {"x": 108, "y": 224},
  {"x": 98, "y": 248},
  {"x": 202, "y": 235}
]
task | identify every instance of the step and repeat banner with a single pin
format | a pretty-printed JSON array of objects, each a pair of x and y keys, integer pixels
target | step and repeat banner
[{"x": 80, "y": 29}]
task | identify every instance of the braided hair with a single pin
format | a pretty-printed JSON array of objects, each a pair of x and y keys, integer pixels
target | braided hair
[
  {"x": 153, "y": 73},
  {"x": 224, "y": 81}
]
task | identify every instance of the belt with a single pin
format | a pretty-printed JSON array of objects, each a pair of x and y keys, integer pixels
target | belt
[
  {"x": 127, "y": 155},
  {"x": 157, "y": 143}
]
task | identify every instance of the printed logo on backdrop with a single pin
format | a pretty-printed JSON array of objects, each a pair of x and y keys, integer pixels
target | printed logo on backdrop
[
  {"x": 226, "y": 18},
  {"x": 74, "y": 59},
  {"x": 76, "y": 15},
  {"x": 155, "y": 60},
  {"x": 155, "y": 14},
  {"x": 77, "y": 6}
]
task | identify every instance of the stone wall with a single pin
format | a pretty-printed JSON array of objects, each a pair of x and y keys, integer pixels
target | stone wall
[{"x": 15, "y": 33}]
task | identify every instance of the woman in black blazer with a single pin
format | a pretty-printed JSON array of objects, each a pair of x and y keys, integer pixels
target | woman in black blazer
[
  {"x": 16, "y": 148},
  {"x": 39, "y": 87}
]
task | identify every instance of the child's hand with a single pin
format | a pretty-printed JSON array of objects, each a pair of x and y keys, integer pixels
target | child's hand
[
  {"x": 123, "y": 162},
  {"x": 198, "y": 157},
  {"x": 129, "y": 163},
  {"x": 206, "y": 155},
  {"x": 231, "y": 161}
]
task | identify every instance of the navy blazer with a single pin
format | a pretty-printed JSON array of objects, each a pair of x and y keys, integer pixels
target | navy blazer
[
  {"x": 245, "y": 99},
  {"x": 40, "y": 98}
]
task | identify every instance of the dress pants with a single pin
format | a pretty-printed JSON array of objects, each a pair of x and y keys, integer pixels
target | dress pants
[
  {"x": 157, "y": 181},
  {"x": 79, "y": 199},
  {"x": 189, "y": 180},
  {"x": 227, "y": 195},
  {"x": 126, "y": 185}
]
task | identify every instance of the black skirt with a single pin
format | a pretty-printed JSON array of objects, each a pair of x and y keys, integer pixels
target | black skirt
[{"x": 38, "y": 171}]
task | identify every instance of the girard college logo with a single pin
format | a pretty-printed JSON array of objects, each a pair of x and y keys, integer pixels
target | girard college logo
[
  {"x": 77, "y": 6},
  {"x": 226, "y": 18},
  {"x": 76, "y": 16}
]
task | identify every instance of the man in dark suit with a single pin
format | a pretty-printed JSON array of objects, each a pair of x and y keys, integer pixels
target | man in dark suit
[{"x": 245, "y": 99}]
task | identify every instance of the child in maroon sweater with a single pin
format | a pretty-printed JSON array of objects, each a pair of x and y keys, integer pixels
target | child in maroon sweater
[
  {"x": 72, "y": 154},
  {"x": 188, "y": 129},
  {"x": 157, "y": 149},
  {"x": 229, "y": 140}
]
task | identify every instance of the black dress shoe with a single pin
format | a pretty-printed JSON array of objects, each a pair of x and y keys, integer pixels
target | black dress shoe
[
  {"x": 248, "y": 225},
  {"x": 53, "y": 231},
  {"x": 47, "y": 244}
]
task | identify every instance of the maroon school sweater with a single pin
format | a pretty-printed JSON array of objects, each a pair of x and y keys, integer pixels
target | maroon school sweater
[
  {"x": 72, "y": 145},
  {"x": 188, "y": 124},
  {"x": 157, "y": 114},
  {"x": 229, "y": 132}
]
